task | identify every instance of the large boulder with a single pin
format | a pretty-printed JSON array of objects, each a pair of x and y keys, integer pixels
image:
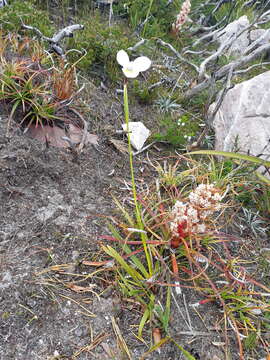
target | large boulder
[
  {"x": 239, "y": 44},
  {"x": 242, "y": 122}
]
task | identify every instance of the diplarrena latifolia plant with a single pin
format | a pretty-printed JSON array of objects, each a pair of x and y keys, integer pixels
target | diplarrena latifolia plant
[{"x": 131, "y": 69}]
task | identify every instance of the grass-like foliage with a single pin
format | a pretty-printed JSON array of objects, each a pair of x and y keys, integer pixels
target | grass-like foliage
[
  {"x": 150, "y": 18},
  {"x": 186, "y": 248},
  {"x": 37, "y": 90}
]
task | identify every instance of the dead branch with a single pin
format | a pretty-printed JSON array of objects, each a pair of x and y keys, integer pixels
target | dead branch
[
  {"x": 254, "y": 44},
  {"x": 263, "y": 49},
  {"x": 222, "y": 72},
  {"x": 223, "y": 47},
  {"x": 66, "y": 32},
  {"x": 55, "y": 40},
  {"x": 177, "y": 54},
  {"x": 221, "y": 96},
  {"x": 243, "y": 71},
  {"x": 138, "y": 44},
  {"x": 209, "y": 28}
]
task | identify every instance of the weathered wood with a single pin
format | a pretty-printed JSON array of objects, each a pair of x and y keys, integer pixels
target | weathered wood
[{"x": 55, "y": 40}]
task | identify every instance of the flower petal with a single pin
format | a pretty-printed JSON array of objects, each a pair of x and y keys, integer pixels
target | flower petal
[
  {"x": 122, "y": 58},
  {"x": 142, "y": 63},
  {"x": 130, "y": 72}
]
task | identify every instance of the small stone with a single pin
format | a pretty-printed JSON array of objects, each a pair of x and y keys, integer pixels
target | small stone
[{"x": 138, "y": 134}]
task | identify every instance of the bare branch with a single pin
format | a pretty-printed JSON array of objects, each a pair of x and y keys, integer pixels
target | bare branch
[
  {"x": 243, "y": 61},
  {"x": 177, "y": 54},
  {"x": 55, "y": 40},
  {"x": 243, "y": 71},
  {"x": 3, "y": 3},
  {"x": 138, "y": 44},
  {"x": 205, "y": 37},
  {"x": 209, "y": 28},
  {"x": 221, "y": 96},
  {"x": 36, "y": 30},
  {"x": 198, "y": 88},
  {"x": 66, "y": 32},
  {"x": 253, "y": 45},
  {"x": 213, "y": 57}
]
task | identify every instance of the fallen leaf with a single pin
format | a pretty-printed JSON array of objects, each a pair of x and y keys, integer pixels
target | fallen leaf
[
  {"x": 97, "y": 263},
  {"x": 217, "y": 343},
  {"x": 156, "y": 335},
  {"x": 80, "y": 289}
]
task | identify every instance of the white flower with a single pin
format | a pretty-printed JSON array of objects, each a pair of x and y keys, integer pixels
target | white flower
[{"x": 131, "y": 69}]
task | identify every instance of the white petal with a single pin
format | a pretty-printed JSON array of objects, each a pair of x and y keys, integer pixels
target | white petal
[
  {"x": 122, "y": 58},
  {"x": 130, "y": 71},
  {"x": 142, "y": 63}
]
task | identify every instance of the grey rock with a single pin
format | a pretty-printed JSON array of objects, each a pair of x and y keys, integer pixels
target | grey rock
[
  {"x": 242, "y": 122},
  {"x": 229, "y": 34},
  {"x": 261, "y": 36},
  {"x": 247, "y": 41}
]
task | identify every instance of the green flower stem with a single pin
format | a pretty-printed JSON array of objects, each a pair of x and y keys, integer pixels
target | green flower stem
[
  {"x": 147, "y": 16},
  {"x": 137, "y": 208}
]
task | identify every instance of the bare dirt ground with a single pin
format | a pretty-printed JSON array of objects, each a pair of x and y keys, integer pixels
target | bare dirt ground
[{"x": 53, "y": 211}]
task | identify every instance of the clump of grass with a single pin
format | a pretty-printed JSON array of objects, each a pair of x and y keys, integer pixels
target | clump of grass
[
  {"x": 185, "y": 255},
  {"x": 36, "y": 95},
  {"x": 150, "y": 18}
]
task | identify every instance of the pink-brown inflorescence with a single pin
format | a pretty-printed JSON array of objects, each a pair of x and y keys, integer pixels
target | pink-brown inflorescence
[
  {"x": 192, "y": 217},
  {"x": 181, "y": 17}
]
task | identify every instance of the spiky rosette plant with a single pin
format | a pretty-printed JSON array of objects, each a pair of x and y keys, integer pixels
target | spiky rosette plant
[{"x": 39, "y": 98}]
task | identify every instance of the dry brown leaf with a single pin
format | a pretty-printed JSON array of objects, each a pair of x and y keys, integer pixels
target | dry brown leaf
[
  {"x": 218, "y": 343},
  {"x": 95, "y": 263},
  {"x": 119, "y": 145},
  {"x": 80, "y": 289},
  {"x": 156, "y": 335}
]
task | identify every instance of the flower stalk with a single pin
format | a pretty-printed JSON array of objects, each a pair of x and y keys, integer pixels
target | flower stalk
[
  {"x": 182, "y": 17},
  {"x": 134, "y": 191}
]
